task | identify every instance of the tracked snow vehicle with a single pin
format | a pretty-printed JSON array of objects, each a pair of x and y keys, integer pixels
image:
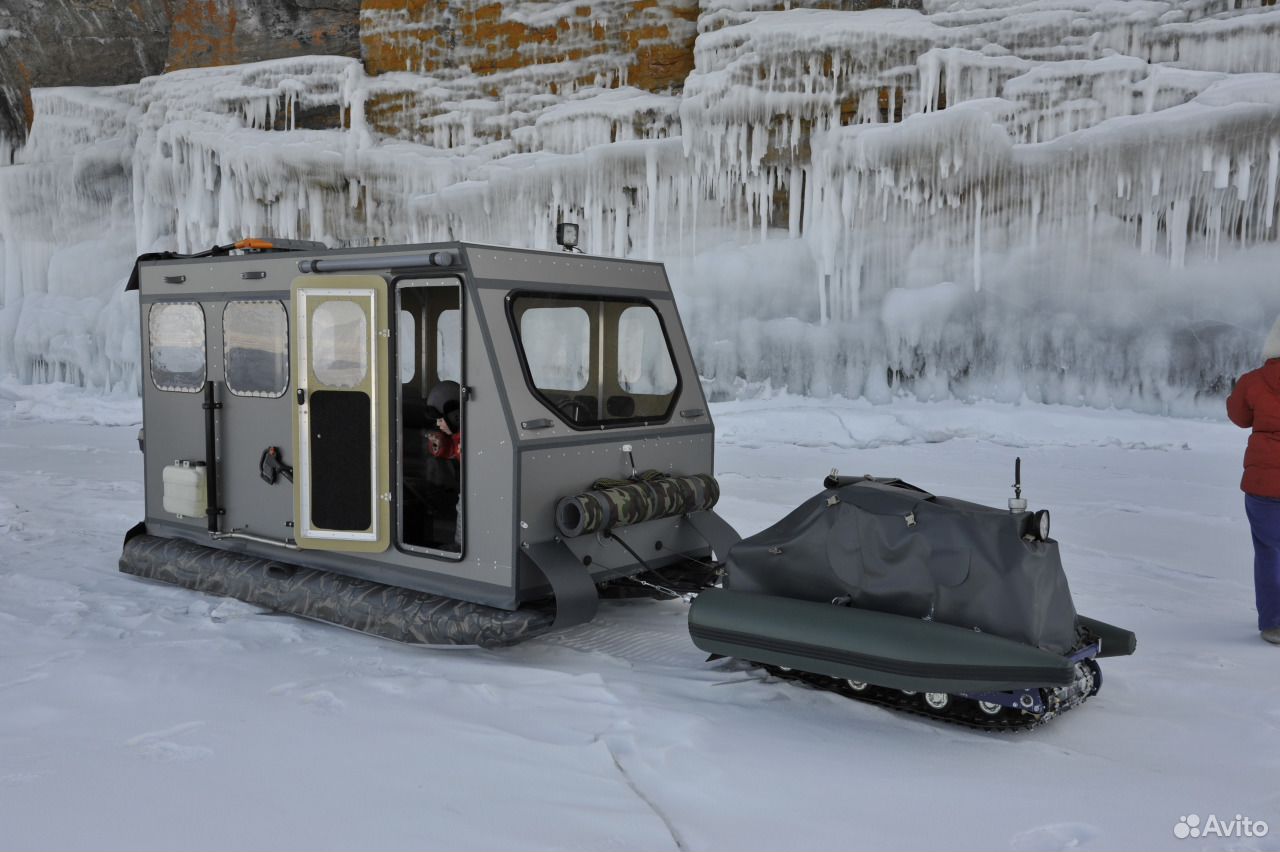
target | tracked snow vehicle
[{"x": 468, "y": 445}]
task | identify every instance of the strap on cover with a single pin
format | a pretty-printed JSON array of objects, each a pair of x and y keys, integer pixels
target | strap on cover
[{"x": 716, "y": 530}]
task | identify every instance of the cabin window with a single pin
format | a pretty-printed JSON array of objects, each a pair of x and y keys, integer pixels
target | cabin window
[
  {"x": 339, "y": 344},
  {"x": 176, "y": 341},
  {"x": 449, "y": 346},
  {"x": 557, "y": 346},
  {"x": 596, "y": 362},
  {"x": 255, "y": 342},
  {"x": 406, "y": 335},
  {"x": 644, "y": 362}
]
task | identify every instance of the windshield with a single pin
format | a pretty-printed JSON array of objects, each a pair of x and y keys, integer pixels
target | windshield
[{"x": 596, "y": 361}]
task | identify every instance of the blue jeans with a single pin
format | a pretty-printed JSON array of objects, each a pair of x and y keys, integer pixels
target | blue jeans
[{"x": 1264, "y": 520}]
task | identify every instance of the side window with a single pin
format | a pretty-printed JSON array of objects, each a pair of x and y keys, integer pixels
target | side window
[
  {"x": 596, "y": 361},
  {"x": 255, "y": 340},
  {"x": 449, "y": 346},
  {"x": 557, "y": 347},
  {"x": 644, "y": 362},
  {"x": 339, "y": 344},
  {"x": 407, "y": 340},
  {"x": 176, "y": 340}
]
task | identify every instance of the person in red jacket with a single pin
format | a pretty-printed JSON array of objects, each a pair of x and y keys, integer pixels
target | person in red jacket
[
  {"x": 452, "y": 448},
  {"x": 1255, "y": 403},
  {"x": 444, "y": 403}
]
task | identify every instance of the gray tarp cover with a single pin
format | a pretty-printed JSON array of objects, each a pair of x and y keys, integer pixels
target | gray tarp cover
[{"x": 960, "y": 563}]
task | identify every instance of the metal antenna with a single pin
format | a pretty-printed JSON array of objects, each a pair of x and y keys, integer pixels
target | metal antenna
[{"x": 1016, "y": 503}]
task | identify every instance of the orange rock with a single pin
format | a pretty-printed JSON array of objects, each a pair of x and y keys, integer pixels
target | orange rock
[
  {"x": 221, "y": 32},
  {"x": 652, "y": 40},
  {"x": 201, "y": 33}
]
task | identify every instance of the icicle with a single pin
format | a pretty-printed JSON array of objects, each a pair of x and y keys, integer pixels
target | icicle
[
  {"x": 651, "y": 184},
  {"x": 1035, "y": 220},
  {"x": 1176, "y": 225},
  {"x": 1221, "y": 171},
  {"x": 795, "y": 201},
  {"x": 1244, "y": 168},
  {"x": 977, "y": 240},
  {"x": 1273, "y": 177},
  {"x": 1147, "y": 231}
]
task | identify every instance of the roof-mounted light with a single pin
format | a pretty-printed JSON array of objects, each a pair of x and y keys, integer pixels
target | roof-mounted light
[{"x": 567, "y": 236}]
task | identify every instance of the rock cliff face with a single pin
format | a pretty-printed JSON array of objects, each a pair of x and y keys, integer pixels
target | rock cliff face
[
  {"x": 106, "y": 43},
  {"x": 227, "y": 32},
  {"x": 73, "y": 43},
  {"x": 472, "y": 72},
  {"x": 648, "y": 43}
]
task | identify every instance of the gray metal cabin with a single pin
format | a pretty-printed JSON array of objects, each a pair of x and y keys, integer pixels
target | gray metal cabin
[{"x": 571, "y": 369}]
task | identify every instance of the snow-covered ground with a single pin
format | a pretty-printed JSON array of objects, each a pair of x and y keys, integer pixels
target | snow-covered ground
[{"x": 135, "y": 715}]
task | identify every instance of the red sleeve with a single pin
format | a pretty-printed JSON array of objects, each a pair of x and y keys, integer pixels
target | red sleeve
[{"x": 1239, "y": 408}]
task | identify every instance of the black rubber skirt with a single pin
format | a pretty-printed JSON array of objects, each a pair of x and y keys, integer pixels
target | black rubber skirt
[{"x": 389, "y": 612}]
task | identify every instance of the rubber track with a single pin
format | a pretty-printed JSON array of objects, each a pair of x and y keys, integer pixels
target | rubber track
[{"x": 961, "y": 711}]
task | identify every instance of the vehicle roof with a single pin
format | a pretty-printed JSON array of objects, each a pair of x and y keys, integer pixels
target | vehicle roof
[{"x": 481, "y": 261}]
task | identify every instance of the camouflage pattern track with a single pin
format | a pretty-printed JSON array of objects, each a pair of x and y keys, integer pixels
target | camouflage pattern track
[{"x": 392, "y": 613}]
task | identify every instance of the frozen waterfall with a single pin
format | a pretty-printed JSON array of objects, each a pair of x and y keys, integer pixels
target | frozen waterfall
[{"x": 1064, "y": 200}]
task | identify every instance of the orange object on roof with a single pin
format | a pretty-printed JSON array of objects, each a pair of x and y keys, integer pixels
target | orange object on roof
[{"x": 254, "y": 243}]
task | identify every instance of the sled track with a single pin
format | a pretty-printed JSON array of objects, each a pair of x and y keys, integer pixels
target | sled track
[{"x": 961, "y": 711}]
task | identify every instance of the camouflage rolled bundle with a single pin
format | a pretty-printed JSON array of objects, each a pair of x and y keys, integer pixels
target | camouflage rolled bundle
[{"x": 612, "y": 503}]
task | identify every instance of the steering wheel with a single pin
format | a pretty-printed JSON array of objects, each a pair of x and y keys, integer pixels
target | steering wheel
[{"x": 575, "y": 409}]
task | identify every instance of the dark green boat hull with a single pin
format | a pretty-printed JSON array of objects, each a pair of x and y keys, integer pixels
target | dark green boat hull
[
  {"x": 1115, "y": 641},
  {"x": 873, "y": 647}
]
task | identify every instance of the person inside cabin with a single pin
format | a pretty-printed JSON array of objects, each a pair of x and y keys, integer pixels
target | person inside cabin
[{"x": 444, "y": 446}]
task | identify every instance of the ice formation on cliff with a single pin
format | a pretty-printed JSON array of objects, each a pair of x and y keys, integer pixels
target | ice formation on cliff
[{"x": 1071, "y": 200}]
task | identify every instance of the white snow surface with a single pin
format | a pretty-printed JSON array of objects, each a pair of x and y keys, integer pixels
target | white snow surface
[
  {"x": 1092, "y": 184},
  {"x": 137, "y": 715}
]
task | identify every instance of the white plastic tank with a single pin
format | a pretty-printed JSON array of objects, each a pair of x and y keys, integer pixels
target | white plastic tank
[{"x": 184, "y": 489}]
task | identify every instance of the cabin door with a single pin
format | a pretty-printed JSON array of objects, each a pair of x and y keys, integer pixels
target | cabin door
[{"x": 342, "y": 495}]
